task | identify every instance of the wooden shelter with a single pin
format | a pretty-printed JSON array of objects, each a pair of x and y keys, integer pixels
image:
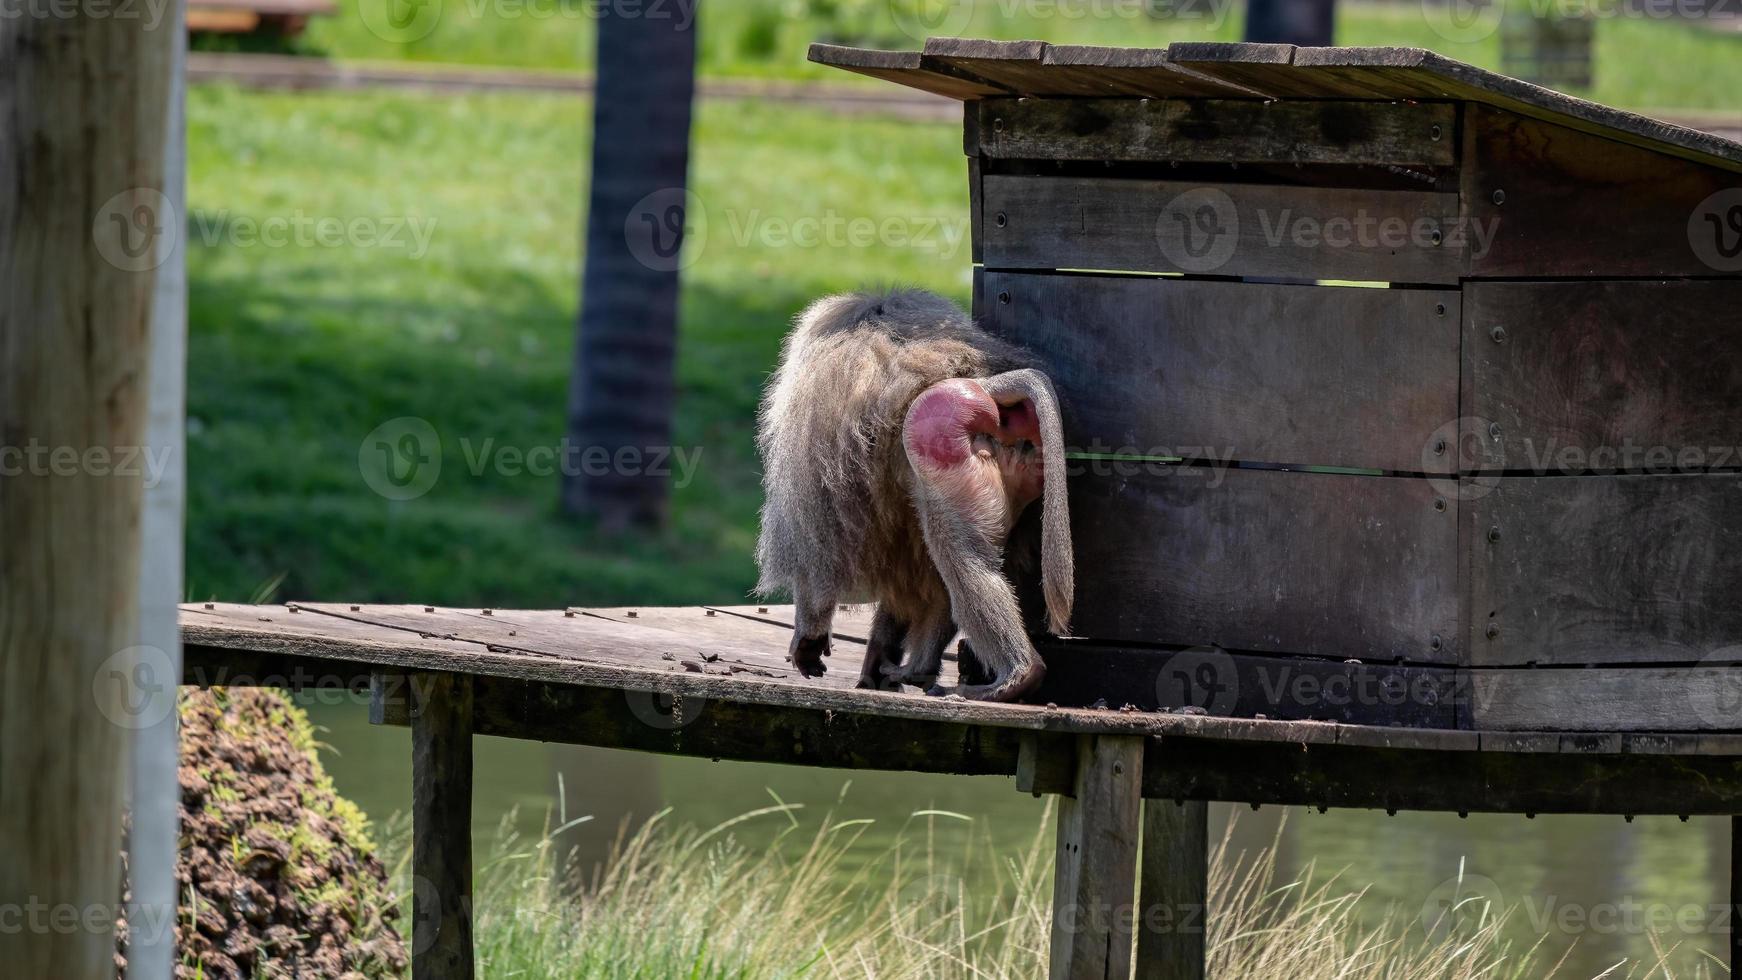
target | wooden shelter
[{"x": 1506, "y": 480}]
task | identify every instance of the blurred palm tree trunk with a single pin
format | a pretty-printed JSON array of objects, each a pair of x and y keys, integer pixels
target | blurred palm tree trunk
[
  {"x": 620, "y": 394},
  {"x": 1307, "y": 23}
]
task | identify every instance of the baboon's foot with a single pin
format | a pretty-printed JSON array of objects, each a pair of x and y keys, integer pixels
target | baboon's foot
[
  {"x": 807, "y": 653},
  {"x": 1020, "y": 682},
  {"x": 972, "y": 670},
  {"x": 913, "y": 674}
]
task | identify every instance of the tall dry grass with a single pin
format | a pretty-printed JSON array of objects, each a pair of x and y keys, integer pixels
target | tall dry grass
[{"x": 675, "y": 901}]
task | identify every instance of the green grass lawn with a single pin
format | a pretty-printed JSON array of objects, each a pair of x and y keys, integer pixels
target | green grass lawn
[
  {"x": 1640, "y": 63},
  {"x": 298, "y": 352}
]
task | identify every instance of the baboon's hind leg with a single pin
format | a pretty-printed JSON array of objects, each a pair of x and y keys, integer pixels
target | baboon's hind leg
[
  {"x": 925, "y": 649},
  {"x": 813, "y": 611},
  {"x": 882, "y": 648}
]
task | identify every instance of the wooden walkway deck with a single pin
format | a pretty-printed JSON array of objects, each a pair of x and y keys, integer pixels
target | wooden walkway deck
[{"x": 713, "y": 682}]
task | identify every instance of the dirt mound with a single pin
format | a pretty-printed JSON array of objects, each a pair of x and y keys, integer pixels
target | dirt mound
[{"x": 282, "y": 876}]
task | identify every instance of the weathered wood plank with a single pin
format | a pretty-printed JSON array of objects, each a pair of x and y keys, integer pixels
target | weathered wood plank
[
  {"x": 1707, "y": 697},
  {"x": 1266, "y": 560},
  {"x": 1219, "y": 371},
  {"x": 289, "y": 651},
  {"x": 1268, "y": 68},
  {"x": 1275, "y": 71},
  {"x": 1239, "y": 685},
  {"x": 1095, "y": 863},
  {"x": 1546, "y": 780},
  {"x": 903, "y": 67},
  {"x": 1604, "y": 569},
  {"x": 1232, "y": 230},
  {"x": 1418, "y": 73},
  {"x": 610, "y": 636},
  {"x": 1220, "y": 130},
  {"x": 1604, "y": 376},
  {"x": 1143, "y": 72},
  {"x": 441, "y": 809},
  {"x": 1173, "y": 893},
  {"x": 1555, "y": 202}
]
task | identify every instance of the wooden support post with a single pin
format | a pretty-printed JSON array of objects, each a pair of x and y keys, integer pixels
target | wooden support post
[
  {"x": 1095, "y": 874},
  {"x": 83, "y": 227},
  {"x": 1735, "y": 895},
  {"x": 441, "y": 828},
  {"x": 1172, "y": 895}
]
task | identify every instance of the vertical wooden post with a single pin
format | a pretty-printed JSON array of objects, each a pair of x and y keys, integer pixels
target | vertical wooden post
[
  {"x": 441, "y": 826},
  {"x": 83, "y": 89},
  {"x": 1095, "y": 874},
  {"x": 1172, "y": 906},
  {"x": 1735, "y": 895},
  {"x": 155, "y": 799}
]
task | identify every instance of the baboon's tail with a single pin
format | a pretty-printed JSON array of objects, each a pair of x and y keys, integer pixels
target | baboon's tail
[{"x": 1057, "y": 566}]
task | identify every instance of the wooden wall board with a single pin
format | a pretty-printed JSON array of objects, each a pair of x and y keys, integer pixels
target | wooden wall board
[
  {"x": 1691, "y": 698},
  {"x": 1546, "y": 201},
  {"x": 1604, "y": 569},
  {"x": 1242, "y": 685},
  {"x": 1267, "y": 560},
  {"x": 1404, "y": 779},
  {"x": 1638, "y": 375},
  {"x": 1228, "y": 230},
  {"x": 1404, "y": 134},
  {"x": 1258, "y": 372}
]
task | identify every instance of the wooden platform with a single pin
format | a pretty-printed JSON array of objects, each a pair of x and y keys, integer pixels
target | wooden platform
[{"x": 713, "y": 682}]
